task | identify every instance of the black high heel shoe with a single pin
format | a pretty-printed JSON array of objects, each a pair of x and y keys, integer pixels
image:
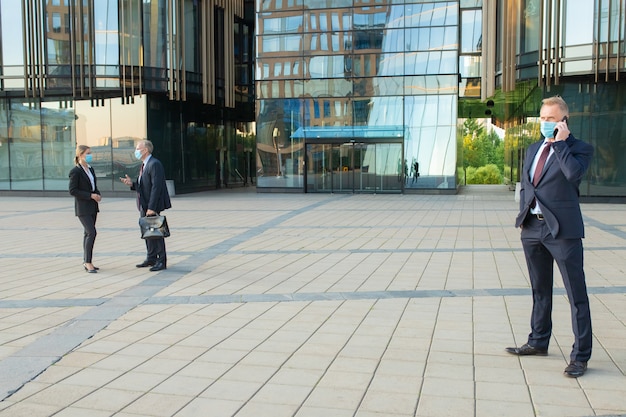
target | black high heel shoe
[{"x": 91, "y": 271}]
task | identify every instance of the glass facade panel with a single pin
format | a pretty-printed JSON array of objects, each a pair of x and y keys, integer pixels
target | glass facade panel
[
  {"x": 12, "y": 59},
  {"x": 112, "y": 130},
  {"x": 577, "y": 24},
  {"x": 96, "y": 51},
  {"x": 471, "y": 31},
  {"x": 529, "y": 27},
  {"x": 155, "y": 33},
  {"x": 597, "y": 116},
  {"x": 273, "y": 5},
  {"x": 25, "y": 150},
  {"x": 5, "y": 169},
  {"x": 58, "y": 143},
  {"x": 359, "y": 66}
]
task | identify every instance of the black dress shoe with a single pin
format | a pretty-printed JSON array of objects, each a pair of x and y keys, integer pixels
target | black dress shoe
[
  {"x": 159, "y": 266},
  {"x": 526, "y": 350},
  {"x": 576, "y": 369},
  {"x": 145, "y": 264}
]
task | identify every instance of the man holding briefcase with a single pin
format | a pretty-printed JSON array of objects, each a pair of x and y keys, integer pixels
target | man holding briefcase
[{"x": 152, "y": 198}]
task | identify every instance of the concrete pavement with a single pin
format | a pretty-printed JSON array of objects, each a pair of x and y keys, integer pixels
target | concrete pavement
[{"x": 302, "y": 305}]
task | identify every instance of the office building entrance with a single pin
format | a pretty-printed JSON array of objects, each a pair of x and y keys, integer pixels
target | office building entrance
[{"x": 360, "y": 165}]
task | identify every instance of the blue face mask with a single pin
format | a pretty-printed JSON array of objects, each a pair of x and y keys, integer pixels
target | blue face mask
[
  {"x": 547, "y": 129},
  {"x": 88, "y": 158},
  {"x": 137, "y": 154}
]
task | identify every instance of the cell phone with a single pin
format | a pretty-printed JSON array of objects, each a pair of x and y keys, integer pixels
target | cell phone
[{"x": 557, "y": 130}]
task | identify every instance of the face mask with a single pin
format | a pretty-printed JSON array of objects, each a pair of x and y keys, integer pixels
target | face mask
[
  {"x": 547, "y": 129},
  {"x": 88, "y": 158},
  {"x": 137, "y": 154}
]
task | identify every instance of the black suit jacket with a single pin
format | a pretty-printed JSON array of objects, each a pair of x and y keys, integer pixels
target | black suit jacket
[
  {"x": 80, "y": 188},
  {"x": 152, "y": 189},
  {"x": 557, "y": 191}
]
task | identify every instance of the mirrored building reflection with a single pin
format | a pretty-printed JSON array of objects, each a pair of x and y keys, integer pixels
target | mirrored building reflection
[
  {"x": 361, "y": 96},
  {"x": 341, "y": 96},
  {"x": 352, "y": 96},
  {"x": 111, "y": 73}
]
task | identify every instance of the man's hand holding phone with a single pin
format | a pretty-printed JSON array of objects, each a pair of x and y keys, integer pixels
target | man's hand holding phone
[{"x": 561, "y": 132}]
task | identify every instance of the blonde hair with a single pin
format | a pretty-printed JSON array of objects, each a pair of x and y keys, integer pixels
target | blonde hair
[
  {"x": 557, "y": 101},
  {"x": 80, "y": 149}
]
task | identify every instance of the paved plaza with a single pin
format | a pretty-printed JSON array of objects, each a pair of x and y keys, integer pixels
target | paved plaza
[{"x": 299, "y": 305}]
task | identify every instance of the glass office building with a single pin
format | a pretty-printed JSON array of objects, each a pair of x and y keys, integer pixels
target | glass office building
[
  {"x": 357, "y": 95},
  {"x": 574, "y": 49},
  {"x": 360, "y": 96},
  {"x": 108, "y": 73}
]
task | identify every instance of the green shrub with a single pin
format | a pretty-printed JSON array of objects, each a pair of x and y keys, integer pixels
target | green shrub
[{"x": 488, "y": 174}]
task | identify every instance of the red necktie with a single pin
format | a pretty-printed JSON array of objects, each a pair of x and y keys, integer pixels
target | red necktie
[
  {"x": 539, "y": 168},
  {"x": 540, "y": 164}
]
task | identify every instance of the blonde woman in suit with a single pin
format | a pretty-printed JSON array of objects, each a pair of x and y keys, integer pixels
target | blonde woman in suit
[{"x": 84, "y": 188}]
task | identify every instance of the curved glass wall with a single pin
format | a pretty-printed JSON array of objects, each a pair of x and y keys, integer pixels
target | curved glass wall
[{"x": 356, "y": 70}]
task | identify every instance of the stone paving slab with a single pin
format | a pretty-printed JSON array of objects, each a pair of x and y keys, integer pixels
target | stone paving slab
[{"x": 299, "y": 305}]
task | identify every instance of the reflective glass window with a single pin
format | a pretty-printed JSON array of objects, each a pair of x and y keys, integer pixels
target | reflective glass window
[
  {"x": 107, "y": 34},
  {"x": 279, "y": 23},
  {"x": 279, "y": 89},
  {"x": 291, "y": 44},
  {"x": 428, "y": 38},
  {"x": 58, "y": 138},
  {"x": 431, "y": 84},
  {"x": 434, "y": 62},
  {"x": 578, "y": 26},
  {"x": 371, "y": 17},
  {"x": 328, "y": 87},
  {"x": 325, "y": 4},
  {"x": 469, "y": 66},
  {"x": 328, "y": 66},
  {"x": 12, "y": 71},
  {"x": 469, "y": 87},
  {"x": 387, "y": 64},
  {"x": 387, "y": 40},
  {"x": 328, "y": 20},
  {"x": 130, "y": 33},
  {"x": 529, "y": 27},
  {"x": 112, "y": 130},
  {"x": 431, "y": 14},
  {"x": 25, "y": 152},
  {"x": 370, "y": 65},
  {"x": 128, "y": 126},
  {"x": 155, "y": 34},
  {"x": 471, "y": 31},
  {"x": 276, "y": 5},
  {"x": 5, "y": 183}
]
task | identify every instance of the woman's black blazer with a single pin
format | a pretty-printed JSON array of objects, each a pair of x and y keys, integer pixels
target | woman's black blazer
[{"x": 80, "y": 188}]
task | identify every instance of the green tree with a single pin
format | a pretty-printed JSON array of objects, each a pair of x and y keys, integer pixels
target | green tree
[{"x": 481, "y": 149}]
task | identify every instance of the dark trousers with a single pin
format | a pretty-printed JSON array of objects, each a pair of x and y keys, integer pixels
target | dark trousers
[
  {"x": 155, "y": 248},
  {"x": 541, "y": 251},
  {"x": 89, "y": 235}
]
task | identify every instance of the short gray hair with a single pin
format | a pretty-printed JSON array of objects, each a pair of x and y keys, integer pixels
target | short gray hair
[
  {"x": 556, "y": 101},
  {"x": 146, "y": 144}
]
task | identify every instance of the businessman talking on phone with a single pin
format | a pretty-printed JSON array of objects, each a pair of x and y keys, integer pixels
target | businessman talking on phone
[{"x": 552, "y": 230}]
